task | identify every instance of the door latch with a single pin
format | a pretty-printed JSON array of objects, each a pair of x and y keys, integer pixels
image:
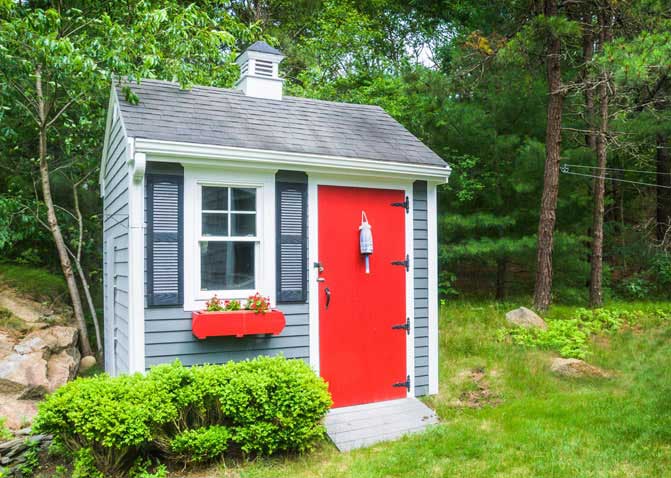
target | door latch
[
  {"x": 405, "y": 204},
  {"x": 405, "y": 326},
  {"x": 405, "y": 384},
  {"x": 405, "y": 263},
  {"x": 327, "y": 291}
]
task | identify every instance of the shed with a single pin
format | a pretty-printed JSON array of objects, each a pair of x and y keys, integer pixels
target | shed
[{"x": 235, "y": 191}]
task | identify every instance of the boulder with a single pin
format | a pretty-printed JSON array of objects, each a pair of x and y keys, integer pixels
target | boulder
[
  {"x": 49, "y": 340},
  {"x": 6, "y": 344},
  {"x": 86, "y": 363},
  {"x": 526, "y": 318},
  {"x": 25, "y": 309},
  {"x": 24, "y": 373},
  {"x": 17, "y": 412},
  {"x": 41, "y": 362},
  {"x": 576, "y": 368},
  {"x": 61, "y": 368}
]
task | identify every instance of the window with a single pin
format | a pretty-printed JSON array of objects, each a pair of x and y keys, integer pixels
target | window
[
  {"x": 228, "y": 216},
  {"x": 228, "y": 239}
]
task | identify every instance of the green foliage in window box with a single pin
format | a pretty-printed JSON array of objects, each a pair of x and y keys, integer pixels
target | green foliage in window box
[{"x": 256, "y": 407}]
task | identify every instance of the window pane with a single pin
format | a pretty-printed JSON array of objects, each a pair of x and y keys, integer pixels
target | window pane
[
  {"x": 227, "y": 265},
  {"x": 215, "y": 224},
  {"x": 243, "y": 199},
  {"x": 243, "y": 224},
  {"x": 215, "y": 199}
]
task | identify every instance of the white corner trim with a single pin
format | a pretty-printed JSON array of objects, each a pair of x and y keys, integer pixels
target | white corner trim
[
  {"x": 136, "y": 239},
  {"x": 211, "y": 155},
  {"x": 432, "y": 219}
]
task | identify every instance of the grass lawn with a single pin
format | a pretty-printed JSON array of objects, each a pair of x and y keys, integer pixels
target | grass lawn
[{"x": 523, "y": 421}]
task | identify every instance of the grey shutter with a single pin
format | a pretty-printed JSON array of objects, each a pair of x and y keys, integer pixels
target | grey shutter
[
  {"x": 165, "y": 224},
  {"x": 291, "y": 242}
]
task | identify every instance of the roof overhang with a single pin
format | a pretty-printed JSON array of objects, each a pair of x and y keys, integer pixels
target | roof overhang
[{"x": 211, "y": 155}]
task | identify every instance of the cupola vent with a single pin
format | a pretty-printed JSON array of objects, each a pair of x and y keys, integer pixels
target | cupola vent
[{"x": 259, "y": 71}]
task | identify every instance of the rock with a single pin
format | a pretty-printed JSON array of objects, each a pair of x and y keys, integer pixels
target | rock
[
  {"x": 526, "y": 318},
  {"x": 50, "y": 340},
  {"x": 576, "y": 368},
  {"x": 61, "y": 368},
  {"x": 6, "y": 344},
  {"x": 17, "y": 412},
  {"x": 86, "y": 363},
  {"x": 25, "y": 309},
  {"x": 25, "y": 373}
]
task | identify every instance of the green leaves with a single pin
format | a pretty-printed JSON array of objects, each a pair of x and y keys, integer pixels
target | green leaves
[
  {"x": 571, "y": 337},
  {"x": 261, "y": 406}
]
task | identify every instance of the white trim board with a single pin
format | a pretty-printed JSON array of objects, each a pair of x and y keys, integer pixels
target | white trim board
[
  {"x": 432, "y": 221},
  {"x": 316, "y": 180},
  {"x": 136, "y": 265},
  {"x": 211, "y": 155}
]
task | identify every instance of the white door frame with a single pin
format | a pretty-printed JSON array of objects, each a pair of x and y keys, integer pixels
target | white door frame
[{"x": 316, "y": 180}]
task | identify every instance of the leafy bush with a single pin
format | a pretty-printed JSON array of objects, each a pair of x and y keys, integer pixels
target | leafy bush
[
  {"x": 201, "y": 444},
  {"x": 261, "y": 406},
  {"x": 570, "y": 337},
  {"x": 636, "y": 287}
]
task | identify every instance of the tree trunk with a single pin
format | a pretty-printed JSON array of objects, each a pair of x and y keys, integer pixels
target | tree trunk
[
  {"x": 664, "y": 190},
  {"x": 596, "y": 264},
  {"x": 588, "y": 53},
  {"x": 80, "y": 269},
  {"x": 546, "y": 224},
  {"x": 52, "y": 221}
]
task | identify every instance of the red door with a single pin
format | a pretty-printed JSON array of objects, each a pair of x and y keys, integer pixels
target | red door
[{"x": 361, "y": 355}]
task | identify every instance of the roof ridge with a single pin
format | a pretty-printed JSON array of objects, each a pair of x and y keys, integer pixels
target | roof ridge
[{"x": 239, "y": 92}]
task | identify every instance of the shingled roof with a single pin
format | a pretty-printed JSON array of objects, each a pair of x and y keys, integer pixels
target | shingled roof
[{"x": 225, "y": 117}]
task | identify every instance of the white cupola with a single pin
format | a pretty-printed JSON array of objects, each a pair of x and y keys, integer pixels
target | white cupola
[{"x": 259, "y": 71}]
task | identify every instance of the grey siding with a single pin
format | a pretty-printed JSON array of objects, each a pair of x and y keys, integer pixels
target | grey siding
[
  {"x": 115, "y": 266},
  {"x": 421, "y": 280},
  {"x": 168, "y": 337}
]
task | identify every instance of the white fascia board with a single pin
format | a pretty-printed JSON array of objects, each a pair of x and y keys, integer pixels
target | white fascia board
[
  {"x": 108, "y": 132},
  {"x": 113, "y": 114},
  {"x": 211, "y": 155}
]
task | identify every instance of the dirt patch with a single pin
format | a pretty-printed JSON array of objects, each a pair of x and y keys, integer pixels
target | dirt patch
[
  {"x": 480, "y": 393},
  {"x": 25, "y": 313}
]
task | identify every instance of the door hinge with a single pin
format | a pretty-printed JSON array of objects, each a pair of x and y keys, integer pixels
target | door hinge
[
  {"x": 405, "y": 204},
  {"x": 405, "y": 384},
  {"x": 405, "y": 263},
  {"x": 405, "y": 326}
]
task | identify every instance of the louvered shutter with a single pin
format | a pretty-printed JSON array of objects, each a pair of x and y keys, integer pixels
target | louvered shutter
[
  {"x": 291, "y": 242},
  {"x": 164, "y": 240}
]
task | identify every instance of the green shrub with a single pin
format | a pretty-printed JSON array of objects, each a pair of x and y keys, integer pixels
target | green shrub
[
  {"x": 201, "y": 444},
  {"x": 261, "y": 406},
  {"x": 635, "y": 287},
  {"x": 570, "y": 337}
]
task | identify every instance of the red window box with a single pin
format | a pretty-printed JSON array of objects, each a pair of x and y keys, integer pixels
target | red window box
[{"x": 236, "y": 323}]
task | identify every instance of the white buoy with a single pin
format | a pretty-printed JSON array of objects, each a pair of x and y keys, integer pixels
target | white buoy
[{"x": 365, "y": 240}]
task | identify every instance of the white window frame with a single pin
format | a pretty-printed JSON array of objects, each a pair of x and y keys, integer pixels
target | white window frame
[{"x": 264, "y": 253}]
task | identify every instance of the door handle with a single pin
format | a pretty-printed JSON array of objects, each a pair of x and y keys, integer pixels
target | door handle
[{"x": 327, "y": 291}]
